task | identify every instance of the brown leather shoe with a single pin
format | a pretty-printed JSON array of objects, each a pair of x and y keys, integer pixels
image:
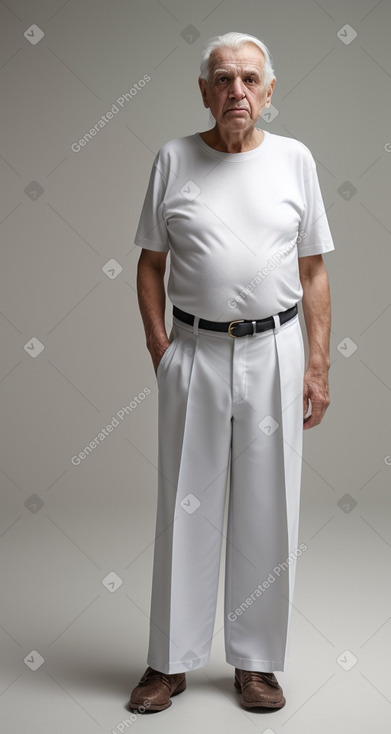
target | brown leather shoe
[
  {"x": 259, "y": 689},
  {"x": 154, "y": 690}
]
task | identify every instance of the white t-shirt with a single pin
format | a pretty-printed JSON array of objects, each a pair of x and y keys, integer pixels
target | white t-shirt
[{"x": 234, "y": 224}]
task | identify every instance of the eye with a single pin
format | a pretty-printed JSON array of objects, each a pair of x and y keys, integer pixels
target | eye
[{"x": 251, "y": 79}]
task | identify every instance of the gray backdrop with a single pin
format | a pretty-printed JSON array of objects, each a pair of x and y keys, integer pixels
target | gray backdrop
[{"x": 76, "y": 535}]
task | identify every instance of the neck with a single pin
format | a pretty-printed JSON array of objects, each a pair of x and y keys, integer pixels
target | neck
[{"x": 233, "y": 142}]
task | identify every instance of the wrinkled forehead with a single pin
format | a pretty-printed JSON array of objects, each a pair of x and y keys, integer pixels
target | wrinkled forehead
[
  {"x": 248, "y": 60},
  {"x": 244, "y": 69}
]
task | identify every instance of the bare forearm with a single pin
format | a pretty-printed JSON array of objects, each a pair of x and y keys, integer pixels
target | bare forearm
[
  {"x": 152, "y": 301},
  {"x": 317, "y": 313}
]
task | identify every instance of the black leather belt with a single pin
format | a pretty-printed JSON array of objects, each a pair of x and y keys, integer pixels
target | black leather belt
[{"x": 239, "y": 327}]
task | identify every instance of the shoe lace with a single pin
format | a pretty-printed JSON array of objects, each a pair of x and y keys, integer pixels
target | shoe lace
[
  {"x": 260, "y": 676},
  {"x": 155, "y": 674}
]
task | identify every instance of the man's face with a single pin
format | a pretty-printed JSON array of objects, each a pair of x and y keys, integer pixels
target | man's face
[{"x": 236, "y": 81}]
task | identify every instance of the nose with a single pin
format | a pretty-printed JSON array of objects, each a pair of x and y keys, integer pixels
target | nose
[{"x": 236, "y": 89}]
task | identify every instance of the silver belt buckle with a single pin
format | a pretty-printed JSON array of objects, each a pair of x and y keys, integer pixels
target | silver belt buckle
[{"x": 238, "y": 321}]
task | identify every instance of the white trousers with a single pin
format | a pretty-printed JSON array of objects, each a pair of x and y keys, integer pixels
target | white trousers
[{"x": 227, "y": 406}]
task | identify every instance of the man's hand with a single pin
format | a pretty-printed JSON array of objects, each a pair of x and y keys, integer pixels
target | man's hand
[
  {"x": 156, "y": 350},
  {"x": 316, "y": 388}
]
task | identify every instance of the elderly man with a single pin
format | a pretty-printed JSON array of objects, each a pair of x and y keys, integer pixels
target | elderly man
[{"x": 241, "y": 213}]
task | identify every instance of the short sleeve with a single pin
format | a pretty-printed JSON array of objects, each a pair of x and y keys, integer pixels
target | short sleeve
[
  {"x": 151, "y": 231},
  {"x": 314, "y": 237}
]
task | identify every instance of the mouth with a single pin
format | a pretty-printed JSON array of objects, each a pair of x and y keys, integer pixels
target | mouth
[{"x": 237, "y": 112}]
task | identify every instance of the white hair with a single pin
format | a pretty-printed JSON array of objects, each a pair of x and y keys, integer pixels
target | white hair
[{"x": 235, "y": 40}]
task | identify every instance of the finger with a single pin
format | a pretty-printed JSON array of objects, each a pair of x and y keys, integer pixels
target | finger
[{"x": 316, "y": 416}]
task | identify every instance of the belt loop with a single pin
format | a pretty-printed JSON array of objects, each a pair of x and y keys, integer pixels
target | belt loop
[
  {"x": 276, "y": 323},
  {"x": 195, "y": 325}
]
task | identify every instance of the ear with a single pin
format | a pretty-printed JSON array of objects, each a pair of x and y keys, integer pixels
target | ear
[
  {"x": 204, "y": 91},
  {"x": 270, "y": 91}
]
